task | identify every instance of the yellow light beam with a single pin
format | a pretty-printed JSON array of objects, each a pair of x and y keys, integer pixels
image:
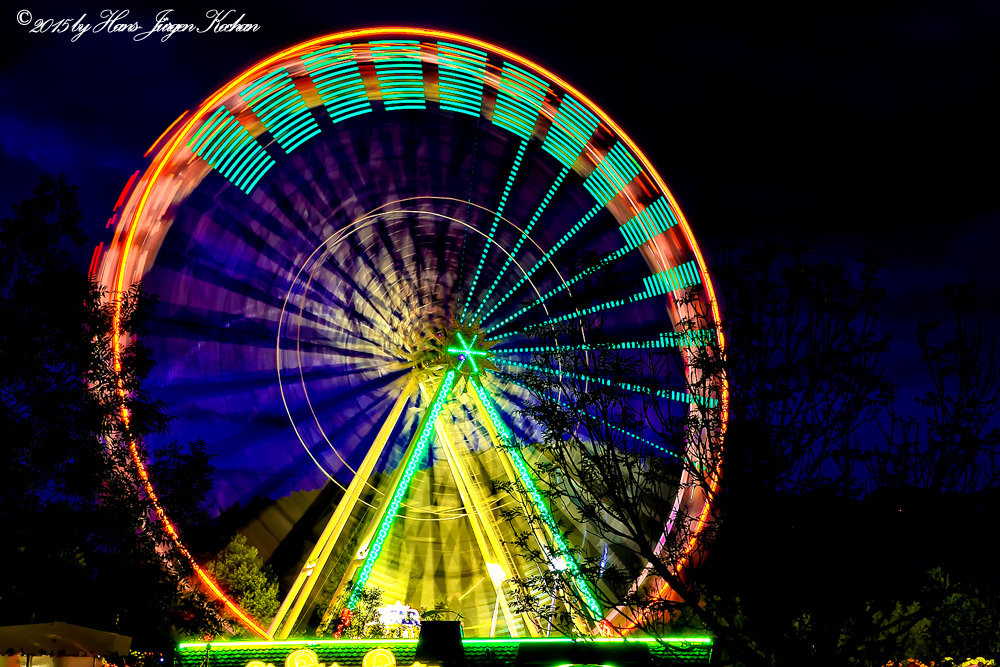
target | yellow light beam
[
  {"x": 305, "y": 581},
  {"x": 480, "y": 517}
]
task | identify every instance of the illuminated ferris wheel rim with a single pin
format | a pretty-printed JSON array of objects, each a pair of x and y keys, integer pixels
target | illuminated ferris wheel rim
[{"x": 116, "y": 270}]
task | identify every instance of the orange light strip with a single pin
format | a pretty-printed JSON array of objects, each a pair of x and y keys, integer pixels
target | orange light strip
[
  {"x": 212, "y": 102},
  {"x": 92, "y": 269},
  {"x": 163, "y": 134},
  {"x": 125, "y": 190}
]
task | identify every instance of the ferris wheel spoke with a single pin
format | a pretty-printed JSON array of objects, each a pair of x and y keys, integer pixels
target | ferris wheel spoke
[
  {"x": 571, "y": 129},
  {"x": 320, "y": 350},
  {"x": 335, "y": 410},
  {"x": 649, "y": 223},
  {"x": 610, "y": 177},
  {"x": 520, "y": 96},
  {"x": 331, "y": 306},
  {"x": 667, "y": 339},
  {"x": 521, "y": 239},
  {"x": 541, "y": 262},
  {"x": 361, "y": 327},
  {"x": 674, "y": 279},
  {"x": 519, "y": 156},
  {"x": 605, "y": 424},
  {"x": 671, "y": 394}
]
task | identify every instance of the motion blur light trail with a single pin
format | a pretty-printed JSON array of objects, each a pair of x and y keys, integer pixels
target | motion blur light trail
[{"x": 339, "y": 236}]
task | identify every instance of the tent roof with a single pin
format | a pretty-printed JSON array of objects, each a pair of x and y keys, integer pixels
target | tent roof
[{"x": 51, "y": 638}]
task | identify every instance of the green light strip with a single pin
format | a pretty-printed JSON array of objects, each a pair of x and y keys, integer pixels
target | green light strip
[
  {"x": 238, "y": 645},
  {"x": 461, "y": 72},
  {"x": 519, "y": 100},
  {"x": 278, "y": 104},
  {"x": 230, "y": 149},
  {"x": 524, "y": 236},
  {"x": 603, "y": 640},
  {"x": 416, "y": 457},
  {"x": 671, "y": 394},
  {"x": 541, "y": 262},
  {"x": 338, "y": 81},
  {"x": 583, "y": 586},
  {"x": 496, "y": 220},
  {"x": 612, "y": 174},
  {"x": 400, "y": 74},
  {"x": 571, "y": 129},
  {"x": 466, "y": 348}
]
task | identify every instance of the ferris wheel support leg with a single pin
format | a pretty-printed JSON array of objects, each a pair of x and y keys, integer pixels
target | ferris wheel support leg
[
  {"x": 387, "y": 511},
  {"x": 541, "y": 535},
  {"x": 484, "y": 529},
  {"x": 291, "y": 608}
]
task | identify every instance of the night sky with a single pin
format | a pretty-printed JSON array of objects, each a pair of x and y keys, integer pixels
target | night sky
[{"x": 843, "y": 129}]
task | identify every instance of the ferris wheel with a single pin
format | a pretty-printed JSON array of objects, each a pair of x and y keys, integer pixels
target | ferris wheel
[{"x": 352, "y": 242}]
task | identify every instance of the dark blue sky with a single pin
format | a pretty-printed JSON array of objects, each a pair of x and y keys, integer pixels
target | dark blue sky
[{"x": 842, "y": 128}]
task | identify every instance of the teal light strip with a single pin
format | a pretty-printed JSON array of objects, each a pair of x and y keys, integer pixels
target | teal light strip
[
  {"x": 540, "y": 263},
  {"x": 461, "y": 72},
  {"x": 279, "y": 105},
  {"x": 496, "y": 220},
  {"x": 519, "y": 100},
  {"x": 230, "y": 149},
  {"x": 612, "y": 174},
  {"x": 400, "y": 74},
  {"x": 416, "y": 457},
  {"x": 583, "y": 586},
  {"x": 669, "y": 280},
  {"x": 671, "y": 394},
  {"x": 338, "y": 81},
  {"x": 693, "y": 338},
  {"x": 571, "y": 129},
  {"x": 649, "y": 223},
  {"x": 605, "y": 423},
  {"x": 524, "y": 236}
]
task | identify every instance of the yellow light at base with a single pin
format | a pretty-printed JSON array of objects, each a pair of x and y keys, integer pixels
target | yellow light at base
[
  {"x": 304, "y": 657},
  {"x": 379, "y": 657}
]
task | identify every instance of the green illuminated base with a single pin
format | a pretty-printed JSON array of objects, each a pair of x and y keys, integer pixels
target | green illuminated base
[{"x": 556, "y": 652}]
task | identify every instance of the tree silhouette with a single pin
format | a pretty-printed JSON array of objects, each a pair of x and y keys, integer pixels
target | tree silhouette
[
  {"x": 830, "y": 543},
  {"x": 81, "y": 542}
]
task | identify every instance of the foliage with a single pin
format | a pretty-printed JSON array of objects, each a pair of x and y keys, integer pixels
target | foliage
[
  {"x": 830, "y": 539},
  {"x": 241, "y": 572},
  {"x": 954, "y": 447},
  {"x": 362, "y": 621},
  {"x": 81, "y": 540}
]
